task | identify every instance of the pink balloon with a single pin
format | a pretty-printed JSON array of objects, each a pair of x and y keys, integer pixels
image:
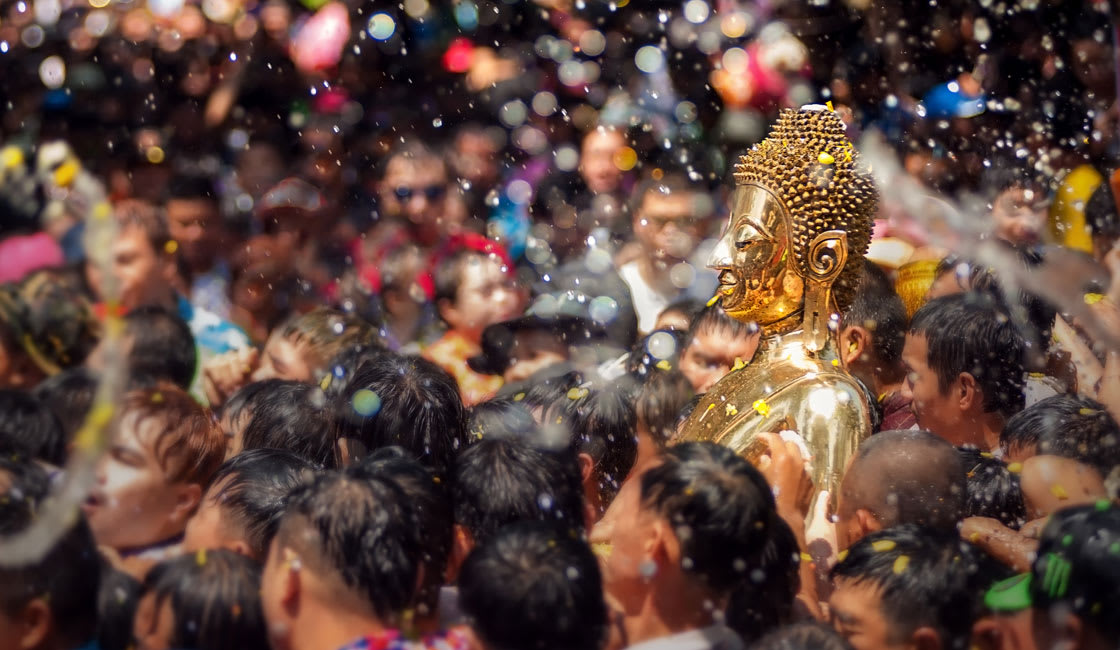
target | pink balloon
[{"x": 318, "y": 44}]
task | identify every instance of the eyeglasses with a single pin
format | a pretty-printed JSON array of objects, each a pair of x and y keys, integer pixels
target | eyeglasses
[{"x": 431, "y": 192}]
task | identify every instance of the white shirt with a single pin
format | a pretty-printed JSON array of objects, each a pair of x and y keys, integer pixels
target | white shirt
[{"x": 714, "y": 637}]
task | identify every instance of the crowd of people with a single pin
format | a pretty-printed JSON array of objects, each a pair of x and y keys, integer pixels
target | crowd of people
[{"x": 378, "y": 326}]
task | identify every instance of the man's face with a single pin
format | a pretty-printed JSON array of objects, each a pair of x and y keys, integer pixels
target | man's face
[
  {"x": 597, "y": 160},
  {"x": 416, "y": 190},
  {"x": 848, "y": 530},
  {"x": 624, "y": 581},
  {"x": 711, "y": 355},
  {"x": 667, "y": 226},
  {"x": 131, "y": 501},
  {"x": 855, "y": 609},
  {"x": 144, "y": 274},
  {"x": 934, "y": 410},
  {"x": 1019, "y": 215},
  {"x": 196, "y": 225},
  {"x": 487, "y": 295},
  {"x": 207, "y": 528},
  {"x": 154, "y": 624},
  {"x": 283, "y": 358}
]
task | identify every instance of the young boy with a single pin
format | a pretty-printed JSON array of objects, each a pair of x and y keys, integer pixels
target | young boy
[
  {"x": 244, "y": 501},
  {"x": 716, "y": 344},
  {"x": 279, "y": 414},
  {"x": 150, "y": 482},
  {"x": 474, "y": 288}
]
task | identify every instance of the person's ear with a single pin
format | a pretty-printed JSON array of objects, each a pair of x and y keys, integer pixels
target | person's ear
[
  {"x": 462, "y": 543},
  {"x": 33, "y": 622},
  {"x": 969, "y": 393},
  {"x": 187, "y": 498},
  {"x": 925, "y": 638},
  {"x": 662, "y": 546},
  {"x": 291, "y": 582},
  {"x": 986, "y": 634},
  {"x": 448, "y": 312},
  {"x": 240, "y": 547},
  {"x": 586, "y": 467},
  {"x": 855, "y": 343},
  {"x": 867, "y": 523}
]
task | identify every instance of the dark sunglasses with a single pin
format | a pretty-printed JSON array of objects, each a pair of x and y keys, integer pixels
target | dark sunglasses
[{"x": 431, "y": 192}]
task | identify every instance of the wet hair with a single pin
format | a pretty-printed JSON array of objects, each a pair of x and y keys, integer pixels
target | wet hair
[
  {"x": 641, "y": 364},
  {"x": 163, "y": 348},
  {"x": 430, "y": 509},
  {"x": 499, "y": 417},
  {"x": 344, "y": 364},
  {"x": 326, "y": 332},
  {"x": 879, "y": 309},
  {"x": 668, "y": 184},
  {"x": 532, "y": 587},
  {"x": 33, "y": 426},
  {"x": 214, "y": 598},
  {"x": 603, "y": 426},
  {"x": 690, "y": 307},
  {"x": 289, "y": 415},
  {"x": 136, "y": 213},
  {"x": 68, "y": 575},
  {"x": 925, "y": 578},
  {"x": 1006, "y": 173},
  {"x": 501, "y": 480},
  {"x": 908, "y": 477},
  {"x": 357, "y": 529},
  {"x": 405, "y": 401},
  {"x": 720, "y": 507},
  {"x": 1071, "y": 426},
  {"x": 967, "y": 333},
  {"x": 188, "y": 445},
  {"x": 74, "y": 388},
  {"x": 803, "y": 636},
  {"x": 545, "y": 393},
  {"x": 659, "y": 403},
  {"x": 252, "y": 489},
  {"x": 117, "y": 598},
  {"x": 714, "y": 318},
  {"x": 1100, "y": 212},
  {"x": 992, "y": 489},
  {"x": 765, "y": 602}
]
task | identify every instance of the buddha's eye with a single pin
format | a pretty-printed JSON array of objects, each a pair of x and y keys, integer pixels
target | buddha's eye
[{"x": 745, "y": 235}]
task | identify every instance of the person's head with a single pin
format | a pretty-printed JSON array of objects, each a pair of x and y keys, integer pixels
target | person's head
[
  {"x": 1073, "y": 426},
  {"x": 1051, "y": 483},
  {"x": 803, "y": 636},
  {"x": 117, "y": 598},
  {"x": 474, "y": 155},
  {"x": 403, "y": 294},
  {"x": 532, "y": 586},
  {"x": 49, "y": 603},
  {"x": 678, "y": 316},
  {"x": 766, "y": 601},
  {"x": 158, "y": 346},
  {"x": 143, "y": 258},
  {"x": 474, "y": 289},
  {"x": 964, "y": 367},
  {"x": 429, "y": 507},
  {"x": 34, "y": 426},
  {"x": 414, "y": 188},
  {"x": 992, "y": 489},
  {"x": 598, "y": 163},
  {"x": 164, "y": 450},
  {"x": 194, "y": 220},
  {"x": 716, "y": 343},
  {"x": 908, "y": 587},
  {"x": 873, "y": 330},
  {"x": 602, "y": 425},
  {"x": 346, "y": 546},
  {"x": 500, "y": 480},
  {"x": 301, "y": 348},
  {"x": 692, "y": 533},
  {"x": 500, "y": 417},
  {"x": 1068, "y": 598},
  {"x": 1103, "y": 220},
  {"x": 287, "y": 415},
  {"x": 209, "y": 599},
  {"x": 244, "y": 501},
  {"x": 669, "y": 214},
  {"x": 900, "y": 477},
  {"x": 404, "y": 401},
  {"x": 658, "y": 406},
  {"x": 1019, "y": 202},
  {"x": 73, "y": 387}
]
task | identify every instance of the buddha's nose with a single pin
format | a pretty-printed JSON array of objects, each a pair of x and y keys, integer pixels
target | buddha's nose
[{"x": 720, "y": 257}]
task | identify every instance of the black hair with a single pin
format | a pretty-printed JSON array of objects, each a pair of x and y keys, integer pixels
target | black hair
[
  {"x": 33, "y": 426},
  {"x": 925, "y": 577},
  {"x": 1006, "y": 173},
  {"x": 162, "y": 347},
  {"x": 603, "y": 425},
  {"x": 67, "y": 576},
  {"x": 74, "y": 388},
  {"x": 449, "y": 273},
  {"x": 405, "y": 401},
  {"x": 252, "y": 489},
  {"x": 967, "y": 333},
  {"x": 713, "y": 317},
  {"x": 909, "y": 477},
  {"x": 532, "y": 587},
  {"x": 501, "y": 480},
  {"x": 116, "y": 606},
  {"x": 290, "y": 415},
  {"x": 344, "y": 364},
  {"x": 1071, "y": 426},
  {"x": 690, "y": 307},
  {"x": 659, "y": 404},
  {"x": 803, "y": 636},
  {"x": 642, "y": 363},
  {"x": 1100, "y": 212},
  {"x": 550, "y": 390},
  {"x": 720, "y": 507},
  {"x": 215, "y": 599},
  {"x": 993, "y": 490},
  {"x": 430, "y": 508},
  {"x": 499, "y": 417},
  {"x": 357, "y": 527},
  {"x": 878, "y": 308},
  {"x": 765, "y": 601},
  {"x": 191, "y": 186}
]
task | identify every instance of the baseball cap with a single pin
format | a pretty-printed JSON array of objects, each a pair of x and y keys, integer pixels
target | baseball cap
[{"x": 1078, "y": 565}]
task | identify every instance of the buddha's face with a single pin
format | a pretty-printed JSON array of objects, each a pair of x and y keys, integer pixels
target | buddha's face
[{"x": 758, "y": 279}]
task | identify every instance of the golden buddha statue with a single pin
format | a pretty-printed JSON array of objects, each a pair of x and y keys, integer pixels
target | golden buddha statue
[{"x": 790, "y": 261}]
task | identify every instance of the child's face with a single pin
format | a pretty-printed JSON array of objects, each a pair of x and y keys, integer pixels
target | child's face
[
  {"x": 712, "y": 354},
  {"x": 154, "y": 624},
  {"x": 133, "y": 504},
  {"x": 1019, "y": 215},
  {"x": 283, "y": 358},
  {"x": 487, "y": 295}
]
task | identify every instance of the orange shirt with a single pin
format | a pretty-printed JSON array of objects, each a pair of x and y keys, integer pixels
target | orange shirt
[{"x": 451, "y": 352}]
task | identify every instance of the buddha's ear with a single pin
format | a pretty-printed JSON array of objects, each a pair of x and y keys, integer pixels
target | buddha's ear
[{"x": 827, "y": 254}]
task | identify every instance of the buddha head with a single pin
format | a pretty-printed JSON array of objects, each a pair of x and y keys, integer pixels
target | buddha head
[{"x": 800, "y": 223}]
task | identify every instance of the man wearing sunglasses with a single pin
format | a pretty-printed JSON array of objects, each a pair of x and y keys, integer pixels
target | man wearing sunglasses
[{"x": 413, "y": 194}]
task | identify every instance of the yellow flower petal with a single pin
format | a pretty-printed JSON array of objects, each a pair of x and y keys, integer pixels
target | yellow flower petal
[
  {"x": 825, "y": 158},
  {"x": 739, "y": 365},
  {"x": 731, "y": 410},
  {"x": 900, "y": 564},
  {"x": 761, "y": 407},
  {"x": 1058, "y": 491},
  {"x": 883, "y": 545},
  {"x": 1093, "y": 298}
]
